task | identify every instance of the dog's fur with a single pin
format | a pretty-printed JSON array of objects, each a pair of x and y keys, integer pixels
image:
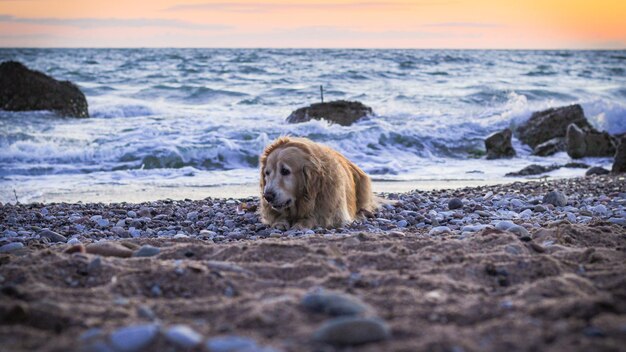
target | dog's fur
[{"x": 311, "y": 185}]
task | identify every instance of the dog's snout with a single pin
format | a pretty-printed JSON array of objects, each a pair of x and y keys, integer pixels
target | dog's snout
[{"x": 269, "y": 196}]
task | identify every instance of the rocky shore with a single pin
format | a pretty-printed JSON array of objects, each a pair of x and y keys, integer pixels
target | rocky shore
[{"x": 534, "y": 265}]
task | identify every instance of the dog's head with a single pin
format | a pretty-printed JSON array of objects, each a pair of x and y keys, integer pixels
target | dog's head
[{"x": 289, "y": 174}]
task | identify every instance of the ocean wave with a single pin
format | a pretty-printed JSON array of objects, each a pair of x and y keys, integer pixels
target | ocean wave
[{"x": 122, "y": 110}]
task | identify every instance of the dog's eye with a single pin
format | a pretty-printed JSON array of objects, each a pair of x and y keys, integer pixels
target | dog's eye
[
  {"x": 284, "y": 172},
  {"x": 267, "y": 173}
]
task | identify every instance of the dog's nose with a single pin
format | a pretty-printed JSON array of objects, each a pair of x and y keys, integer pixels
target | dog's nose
[{"x": 269, "y": 196}]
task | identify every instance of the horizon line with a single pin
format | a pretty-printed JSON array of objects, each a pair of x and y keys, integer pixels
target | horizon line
[{"x": 309, "y": 48}]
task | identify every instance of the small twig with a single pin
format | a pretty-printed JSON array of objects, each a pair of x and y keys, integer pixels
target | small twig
[
  {"x": 322, "y": 92},
  {"x": 15, "y": 194}
]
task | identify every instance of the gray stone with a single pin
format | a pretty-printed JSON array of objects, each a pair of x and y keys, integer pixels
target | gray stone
[
  {"x": 183, "y": 336},
  {"x": 192, "y": 216},
  {"x": 619, "y": 163},
  {"x": 232, "y": 344},
  {"x": 147, "y": 251},
  {"x": 402, "y": 223},
  {"x": 498, "y": 145},
  {"x": 346, "y": 331},
  {"x": 556, "y": 198},
  {"x": 504, "y": 225},
  {"x": 133, "y": 338},
  {"x": 455, "y": 203},
  {"x": 10, "y": 247},
  {"x": 52, "y": 236},
  {"x": 333, "y": 303},
  {"x": 518, "y": 230},
  {"x": 438, "y": 230}
]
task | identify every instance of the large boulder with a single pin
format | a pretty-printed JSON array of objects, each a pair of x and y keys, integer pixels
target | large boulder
[
  {"x": 22, "y": 89},
  {"x": 552, "y": 123},
  {"x": 341, "y": 112},
  {"x": 588, "y": 142},
  {"x": 550, "y": 147},
  {"x": 498, "y": 145},
  {"x": 619, "y": 164}
]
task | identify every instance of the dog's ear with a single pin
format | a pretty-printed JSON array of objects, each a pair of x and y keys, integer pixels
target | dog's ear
[{"x": 311, "y": 177}]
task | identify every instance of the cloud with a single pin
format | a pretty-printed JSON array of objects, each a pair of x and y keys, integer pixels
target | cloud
[
  {"x": 465, "y": 25},
  {"x": 257, "y": 7},
  {"x": 110, "y": 22}
]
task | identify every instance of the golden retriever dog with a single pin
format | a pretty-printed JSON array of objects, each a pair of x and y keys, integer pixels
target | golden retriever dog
[{"x": 305, "y": 185}]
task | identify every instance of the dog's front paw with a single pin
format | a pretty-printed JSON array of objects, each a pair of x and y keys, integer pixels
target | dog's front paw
[{"x": 281, "y": 225}]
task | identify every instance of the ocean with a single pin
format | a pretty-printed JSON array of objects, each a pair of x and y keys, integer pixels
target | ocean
[{"x": 190, "y": 123}]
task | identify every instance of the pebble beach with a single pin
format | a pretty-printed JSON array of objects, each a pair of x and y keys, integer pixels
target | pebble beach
[{"x": 536, "y": 265}]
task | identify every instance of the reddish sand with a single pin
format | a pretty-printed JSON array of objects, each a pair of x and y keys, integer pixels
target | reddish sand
[{"x": 489, "y": 292}]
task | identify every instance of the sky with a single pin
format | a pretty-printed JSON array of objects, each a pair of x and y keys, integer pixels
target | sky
[{"x": 462, "y": 24}]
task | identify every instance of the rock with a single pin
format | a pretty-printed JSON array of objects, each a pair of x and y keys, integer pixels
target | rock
[
  {"x": 76, "y": 248},
  {"x": 147, "y": 251},
  {"x": 539, "y": 209},
  {"x": 109, "y": 249},
  {"x": 22, "y": 89},
  {"x": 183, "y": 336},
  {"x": 533, "y": 169},
  {"x": 552, "y": 123},
  {"x": 133, "y": 338},
  {"x": 597, "y": 170},
  {"x": 333, "y": 303},
  {"x": 619, "y": 164},
  {"x": 499, "y": 145},
  {"x": 233, "y": 344},
  {"x": 550, "y": 147},
  {"x": 518, "y": 230},
  {"x": 455, "y": 203},
  {"x": 345, "y": 331},
  {"x": 556, "y": 198},
  {"x": 341, "y": 112},
  {"x": 438, "y": 230},
  {"x": 10, "y": 247},
  {"x": 52, "y": 236},
  {"x": 583, "y": 143},
  {"x": 504, "y": 225}
]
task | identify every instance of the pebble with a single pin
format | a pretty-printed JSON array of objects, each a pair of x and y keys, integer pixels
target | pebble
[
  {"x": 133, "y": 338},
  {"x": 504, "y": 225},
  {"x": 52, "y": 236},
  {"x": 556, "y": 198},
  {"x": 183, "y": 336},
  {"x": 9, "y": 233},
  {"x": 109, "y": 249},
  {"x": 103, "y": 222},
  {"x": 333, "y": 303},
  {"x": 518, "y": 230},
  {"x": 540, "y": 208},
  {"x": 439, "y": 230},
  {"x": 232, "y": 344},
  {"x": 346, "y": 331},
  {"x": 402, "y": 223},
  {"x": 600, "y": 210},
  {"x": 10, "y": 247},
  {"x": 526, "y": 214},
  {"x": 147, "y": 251},
  {"x": 455, "y": 203},
  {"x": 619, "y": 221},
  {"x": 73, "y": 241}
]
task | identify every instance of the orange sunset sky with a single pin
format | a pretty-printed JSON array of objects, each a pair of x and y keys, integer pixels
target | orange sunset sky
[{"x": 518, "y": 24}]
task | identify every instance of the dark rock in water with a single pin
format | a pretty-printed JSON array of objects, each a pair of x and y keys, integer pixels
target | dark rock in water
[
  {"x": 171, "y": 161},
  {"x": 533, "y": 169},
  {"x": 347, "y": 331},
  {"x": 619, "y": 165},
  {"x": 576, "y": 165},
  {"x": 556, "y": 198},
  {"x": 552, "y": 123},
  {"x": 597, "y": 170},
  {"x": 498, "y": 145},
  {"x": 455, "y": 203},
  {"x": 22, "y": 89},
  {"x": 550, "y": 147},
  {"x": 341, "y": 112},
  {"x": 588, "y": 142}
]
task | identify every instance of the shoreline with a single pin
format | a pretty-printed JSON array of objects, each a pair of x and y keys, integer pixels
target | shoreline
[
  {"x": 511, "y": 266},
  {"x": 138, "y": 194}
]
